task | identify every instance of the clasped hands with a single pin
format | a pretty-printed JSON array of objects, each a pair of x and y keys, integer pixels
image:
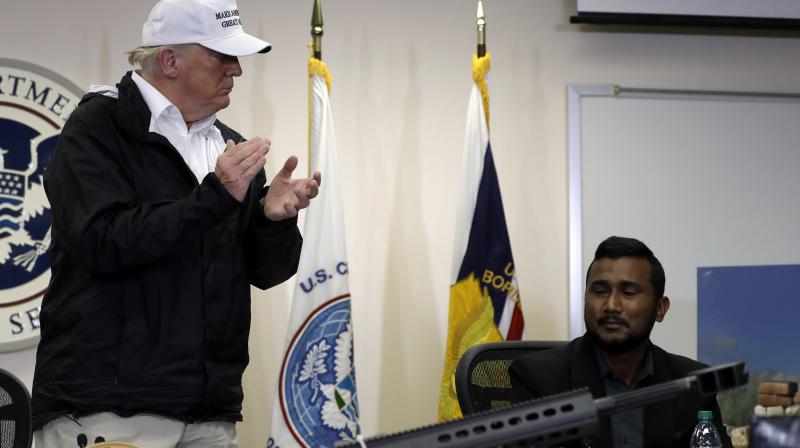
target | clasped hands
[{"x": 240, "y": 163}]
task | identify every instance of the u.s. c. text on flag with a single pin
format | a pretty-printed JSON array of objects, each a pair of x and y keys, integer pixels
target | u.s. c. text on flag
[{"x": 316, "y": 403}]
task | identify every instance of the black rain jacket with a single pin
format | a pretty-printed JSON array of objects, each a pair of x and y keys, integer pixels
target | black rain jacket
[{"x": 148, "y": 307}]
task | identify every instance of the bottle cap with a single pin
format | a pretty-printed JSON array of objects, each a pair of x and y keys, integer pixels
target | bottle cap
[{"x": 705, "y": 415}]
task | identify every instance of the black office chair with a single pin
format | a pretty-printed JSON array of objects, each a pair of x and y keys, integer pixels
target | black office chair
[
  {"x": 15, "y": 412},
  {"x": 482, "y": 379}
]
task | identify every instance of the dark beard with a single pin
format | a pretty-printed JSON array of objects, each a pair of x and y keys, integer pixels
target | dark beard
[{"x": 626, "y": 345}]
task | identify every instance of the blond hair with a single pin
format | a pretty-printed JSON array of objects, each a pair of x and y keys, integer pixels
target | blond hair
[{"x": 146, "y": 58}]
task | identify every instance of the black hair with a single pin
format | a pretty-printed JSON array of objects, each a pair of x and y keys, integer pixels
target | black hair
[{"x": 616, "y": 247}]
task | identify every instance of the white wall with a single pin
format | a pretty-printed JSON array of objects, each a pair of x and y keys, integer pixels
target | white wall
[{"x": 401, "y": 79}]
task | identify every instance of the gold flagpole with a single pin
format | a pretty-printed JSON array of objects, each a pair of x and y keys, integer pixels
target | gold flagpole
[
  {"x": 314, "y": 62},
  {"x": 481, "y": 25},
  {"x": 481, "y": 60},
  {"x": 316, "y": 29}
]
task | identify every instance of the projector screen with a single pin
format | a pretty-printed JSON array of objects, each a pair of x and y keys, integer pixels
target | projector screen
[{"x": 765, "y": 9}]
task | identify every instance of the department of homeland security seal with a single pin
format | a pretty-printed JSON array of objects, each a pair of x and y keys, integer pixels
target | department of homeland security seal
[
  {"x": 34, "y": 105},
  {"x": 317, "y": 385}
]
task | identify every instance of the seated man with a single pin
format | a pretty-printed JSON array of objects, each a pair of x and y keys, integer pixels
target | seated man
[{"x": 624, "y": 298}]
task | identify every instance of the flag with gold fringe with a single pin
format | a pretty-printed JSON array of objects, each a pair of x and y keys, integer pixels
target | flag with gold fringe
[
  {"x": 484, "y": 300},
  {"x": 316, "y": 403}
]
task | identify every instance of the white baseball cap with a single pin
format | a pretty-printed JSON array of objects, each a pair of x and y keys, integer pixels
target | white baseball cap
[{"x": 214, "y": 24}]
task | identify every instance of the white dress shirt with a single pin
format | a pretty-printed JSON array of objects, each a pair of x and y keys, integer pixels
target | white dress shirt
[{"x": 199, "y": 145}]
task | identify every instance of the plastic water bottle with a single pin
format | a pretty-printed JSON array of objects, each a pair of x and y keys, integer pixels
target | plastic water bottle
[{"x": 705, "y": 434}]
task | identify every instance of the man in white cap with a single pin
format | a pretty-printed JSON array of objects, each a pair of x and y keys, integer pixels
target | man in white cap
[{"x": 161, "y": 222}]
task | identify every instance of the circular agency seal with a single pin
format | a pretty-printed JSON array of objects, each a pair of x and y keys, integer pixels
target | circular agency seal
[
  {"x": 317, "y": 386},
  {"x": 34, "y": 105}
]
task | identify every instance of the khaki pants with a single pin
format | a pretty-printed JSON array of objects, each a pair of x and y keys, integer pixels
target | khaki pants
[{"x": 143, "y": 430}]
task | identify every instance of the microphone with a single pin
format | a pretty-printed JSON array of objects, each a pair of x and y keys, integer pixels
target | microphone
[{"x": 82, "y": 440}]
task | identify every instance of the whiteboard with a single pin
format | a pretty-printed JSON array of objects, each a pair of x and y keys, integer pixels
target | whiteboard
[{"x": 703, "y": 178}]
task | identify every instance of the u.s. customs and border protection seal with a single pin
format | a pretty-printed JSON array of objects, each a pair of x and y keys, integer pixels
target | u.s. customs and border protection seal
[
  {"x": 34, "y": 105},
  {"x": 317, "y": 387}
]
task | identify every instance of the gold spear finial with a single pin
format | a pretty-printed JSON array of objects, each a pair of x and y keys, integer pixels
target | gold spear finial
[
  {"x": 316, "y": 29},
  {"x": 481, "y": 22}
]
